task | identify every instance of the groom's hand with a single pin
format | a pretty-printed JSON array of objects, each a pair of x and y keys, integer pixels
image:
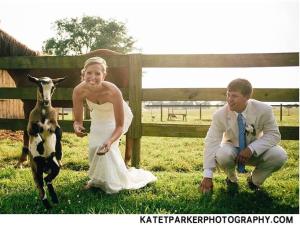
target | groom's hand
[
  {"x": 206, "y": 185},
  {"x": 244, "y": 156}
]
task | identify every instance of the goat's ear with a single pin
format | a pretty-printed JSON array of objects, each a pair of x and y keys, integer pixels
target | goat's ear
[
  {"x": 32, "y": 79},
  {"x": 58, "y": 80}
]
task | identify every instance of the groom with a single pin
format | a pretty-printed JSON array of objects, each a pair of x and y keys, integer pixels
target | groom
[{"x": 244, "y": 131}]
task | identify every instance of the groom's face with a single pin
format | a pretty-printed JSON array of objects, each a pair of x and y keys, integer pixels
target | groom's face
[{"x": 236, "y": 101}]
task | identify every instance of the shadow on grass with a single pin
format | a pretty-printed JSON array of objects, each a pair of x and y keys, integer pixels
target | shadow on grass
[
  {"x": 8, "y": 161},
  {"x": 148, "y": 200},
  {"x": 246, "y": 202},
  {"x": 76, "y": 166}
]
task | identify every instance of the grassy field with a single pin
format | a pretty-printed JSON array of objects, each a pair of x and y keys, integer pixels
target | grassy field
[
  {"x": 290, "y": 116},
  {"x": 177, "y": 163}
]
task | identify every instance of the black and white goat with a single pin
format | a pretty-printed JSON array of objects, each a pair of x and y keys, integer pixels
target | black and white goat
[{"x": 44, "y": 138}]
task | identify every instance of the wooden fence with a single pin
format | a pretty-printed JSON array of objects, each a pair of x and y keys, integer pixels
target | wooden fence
[
  {"x": 181, "y": 109},
  {"x": 135, "y": 94}
]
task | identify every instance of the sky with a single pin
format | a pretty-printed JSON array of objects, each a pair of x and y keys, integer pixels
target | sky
[{"x": 177, "y": 27}]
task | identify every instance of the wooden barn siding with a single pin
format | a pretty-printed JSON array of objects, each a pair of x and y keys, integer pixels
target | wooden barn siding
[{"x": 9, "y": 108}]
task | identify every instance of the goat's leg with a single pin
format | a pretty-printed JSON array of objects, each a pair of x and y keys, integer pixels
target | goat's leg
[
  {"x": 58, "y": 148},
  {"x": 34, "y": 130},
  {"x": 24, "y": 152},
  {"x": 40, "y": 164},
  {"x": 54, "y": 171},
  {"x": 27, "y": 106}
]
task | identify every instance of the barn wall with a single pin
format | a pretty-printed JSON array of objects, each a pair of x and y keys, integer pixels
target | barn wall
[{"x": 9, "y": 108}]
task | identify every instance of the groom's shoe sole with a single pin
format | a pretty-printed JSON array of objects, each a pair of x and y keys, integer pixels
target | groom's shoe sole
[
  {"x": 232, "y": 187},
  {"x": 251, "y": 185}
]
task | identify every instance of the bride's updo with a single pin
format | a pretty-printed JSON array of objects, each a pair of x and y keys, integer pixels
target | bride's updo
[{"x": 94, "y": 60}]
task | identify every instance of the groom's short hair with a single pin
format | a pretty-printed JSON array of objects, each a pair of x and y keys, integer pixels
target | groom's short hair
[{"x": 241, "y": 85}]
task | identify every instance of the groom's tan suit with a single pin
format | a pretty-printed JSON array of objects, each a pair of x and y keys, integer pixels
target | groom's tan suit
[{"x": 262, "y": 137}]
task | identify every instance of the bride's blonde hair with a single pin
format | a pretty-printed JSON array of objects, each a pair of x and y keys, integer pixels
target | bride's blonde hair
[{"x": 94, "y": 60}]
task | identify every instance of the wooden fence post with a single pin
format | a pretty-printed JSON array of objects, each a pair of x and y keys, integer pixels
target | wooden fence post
[
  {"x": 135, "y": 103},
  {"x": 200, "y": 111},
  {"x": 280, "y": 112},
  {"x": 63, "y": 113},
  {"x": 161, "y": 112}
]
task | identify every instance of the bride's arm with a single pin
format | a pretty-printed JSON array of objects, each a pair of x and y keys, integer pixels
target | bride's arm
[
  {"x": 77, "y": 99},
  {"x": 117, "y": 101}
]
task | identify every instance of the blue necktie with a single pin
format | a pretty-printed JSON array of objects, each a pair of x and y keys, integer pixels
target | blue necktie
[{"x": 242, "y": 140}]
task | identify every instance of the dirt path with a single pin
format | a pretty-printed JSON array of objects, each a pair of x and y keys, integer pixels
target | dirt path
[{"x": 12, "y": 135}]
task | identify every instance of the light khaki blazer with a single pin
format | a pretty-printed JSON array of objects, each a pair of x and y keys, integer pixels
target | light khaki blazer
[{"x": 224, "y": 129}]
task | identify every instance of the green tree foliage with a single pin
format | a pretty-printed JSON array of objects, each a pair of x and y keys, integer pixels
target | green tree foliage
[{"x": 81, "y": 35}]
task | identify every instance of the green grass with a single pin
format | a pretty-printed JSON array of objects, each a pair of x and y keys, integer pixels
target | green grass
[{"x": 177, "y": 163}]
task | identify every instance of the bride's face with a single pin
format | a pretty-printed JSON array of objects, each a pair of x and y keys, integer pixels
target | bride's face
[{"x": 94, "y": 74}]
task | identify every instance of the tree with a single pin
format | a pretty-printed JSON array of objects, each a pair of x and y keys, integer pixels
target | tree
[{"x": 81, "y": 35}]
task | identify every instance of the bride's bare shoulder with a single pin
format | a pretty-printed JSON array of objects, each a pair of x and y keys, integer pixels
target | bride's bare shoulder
[
  {"x": 112, "y": 91},
  {"x": 110, "y": 86},
  {"x": 80, "y": 89}
]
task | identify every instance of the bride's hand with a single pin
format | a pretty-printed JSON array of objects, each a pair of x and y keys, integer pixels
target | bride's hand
[
  {"x": 79, "y": 130},
  {"x": 104, "y": 148}
]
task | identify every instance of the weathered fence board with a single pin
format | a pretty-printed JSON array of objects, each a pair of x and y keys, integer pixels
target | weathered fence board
[
  {"x": 222, "y": 60},
  {"x": 218, "y": 94},
  {"x": 30, "y": 93},
  {"x": 178, "y": 130},
  {"x": 166, "y": 94},
  {"x": 174, "y": 130},
  {"x": 196, "y": 60},
  {"x": 56, "y": 62},
  {"x": 150, "y": 129}
]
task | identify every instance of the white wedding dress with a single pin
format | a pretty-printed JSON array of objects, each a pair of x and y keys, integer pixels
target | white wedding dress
[{"x": 109, "y": 171}]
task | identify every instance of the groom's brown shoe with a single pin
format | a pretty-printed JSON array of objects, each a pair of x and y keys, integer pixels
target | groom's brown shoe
[
  {"x": 251, "y": 185},
  {"x": 232, "y": 187}
]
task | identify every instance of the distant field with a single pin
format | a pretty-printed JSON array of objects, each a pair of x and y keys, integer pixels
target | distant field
[{"x": 290, "y": 116}]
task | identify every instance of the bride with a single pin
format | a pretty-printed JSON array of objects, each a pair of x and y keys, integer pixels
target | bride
[{"x": 110, "y": 118}]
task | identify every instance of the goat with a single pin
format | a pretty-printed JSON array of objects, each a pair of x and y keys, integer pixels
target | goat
[{"x": 44, "y": 138}]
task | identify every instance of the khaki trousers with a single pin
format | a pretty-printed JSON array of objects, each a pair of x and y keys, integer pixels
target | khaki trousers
[{"x": 265, "y": 164}]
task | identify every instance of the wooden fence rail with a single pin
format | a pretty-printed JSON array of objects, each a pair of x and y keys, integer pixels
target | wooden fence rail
[
  {"x": 165, "y": 94},
  {"x": 135, "y": 94},
  {"x": 222, "y": 60}
]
